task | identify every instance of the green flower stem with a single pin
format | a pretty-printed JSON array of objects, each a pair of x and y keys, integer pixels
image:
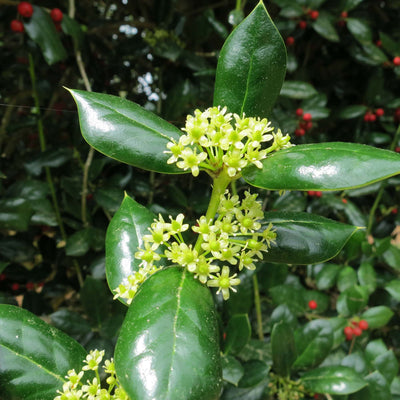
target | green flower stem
[
  {"x": 220, "y": 183},
  {"x": 257, "y": 303},
  {"x": 378, "y": 197}
]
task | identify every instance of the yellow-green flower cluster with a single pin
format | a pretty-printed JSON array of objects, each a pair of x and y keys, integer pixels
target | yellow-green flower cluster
[
  {"x": 217, "y": 140},
  {"x": 75, "y": 389},
  {"x": 234, "y": 239}
]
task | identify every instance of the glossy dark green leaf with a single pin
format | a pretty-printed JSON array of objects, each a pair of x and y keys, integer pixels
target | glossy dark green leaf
[
  {"x": 368, "y": 54},
  {"x": 367, "y": 276},
  {"x": 94, "y": 298},
  {"x": 123, "y": 130},
  {"x": 324, "y": 166},
  {"x": 293, "y": 297},
  {"x": 51, "y": 158},
  {"x": 238, "y": 332},
  {"x": 351, "y": 4},
  {"x": 377, "y": 388},
  {"x": 40, "y": 28},
  {"x": 297, "y": 90},
  {"x": 333, "y": 380},
  {"x": 357, "y": 361},
  {"x": 347, "y": 278},
  {"x": 72, "y": 28},
  {"x": 78, "y": 244},
  {"x": 393, "y": 287},
  {"x": 109, "y": 198},
  {"x": 359, "y": 29},
  {"x": 255, "y": 372},
  {"x": 124, "y": 236},
  {"x": 71, "y": 323},
  {"x": 352, "y": 300},
  {"x": 314, "y": 342},
  {"x": 168, "y": 345},
  {"x": 377, "y": 316},
  {"x": 387, "y": 364},
  {"x": 251, "y": 66},
  {"x": 337, "y": 325},
  {"x": 303, "y": 238},
  {"x": 283, "y": 314},
  {"x": 35, "y": 357},
  {"x": 352, "y": 111},
  {"x": 390, "y": 45},
  {"x": 326, "y": 276},
  {"x": 392, "y": 256},
  {"x": 324, "y": 27},
  {"x": 15, "y": 214},
  {"x": 283, "y": 346},
  {"x": 232, "y": 369}
]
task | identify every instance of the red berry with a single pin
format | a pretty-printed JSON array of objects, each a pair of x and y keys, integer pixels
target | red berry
[
  {"x": 357, "y": 331},
  {"x": 378, "y": 43},
  {"x": 344, "y": 201},
  {"x": 29, "y": 286},
  {"x": 56, "y": 15},
  {"x": 3, "y": 277},
  {"x": 363, "y": 325},
  {"x": 314, "y": 14},
  {"x": 396, "y": 61},
  {"x": 397, "y": 149},
  {"x": 308, "y": 125},
  {"x": 25, "y": 9},
  {"x": 299, "y": 132},
  {"x": 307, "y": 117},
  {"x": 302, "y": 24},
  {"x": 344, "y": 14},
  {"x": 311, "y": 193},
  {"x": 40, "y": 284},
  {"x": 395, "y": 210},
  {"x": 299, "y": 112},
  {"x": 318, "y": 193},
  {"x": 312, "y": 304},
  {"x": 290, "y": 41},
  {"x": 369, "y": 117},
  {"x": 17, "y": 26},
  {"x": 15, "y": 287},
  {"x": 341, "y": 23},
  {"x": 348, "y": 331},
  {"x": 379, "y": 112}
]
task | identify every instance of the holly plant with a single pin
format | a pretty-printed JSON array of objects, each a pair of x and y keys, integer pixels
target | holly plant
[{"x": 174, "y": 273}]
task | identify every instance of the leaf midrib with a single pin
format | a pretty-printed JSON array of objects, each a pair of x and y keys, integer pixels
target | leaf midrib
[{"x": 41, "y": 367}]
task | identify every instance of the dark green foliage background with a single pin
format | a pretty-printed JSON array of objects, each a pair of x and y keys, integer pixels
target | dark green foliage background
[{"x": 162, "y": 54}]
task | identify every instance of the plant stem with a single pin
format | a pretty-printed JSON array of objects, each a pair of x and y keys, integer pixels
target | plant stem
[
  {"x": 42, "y": 141},
  {"x": 220, "y": 183},
  {"x": 257, "y": 303},
  {"x": 378, "y": 197}
]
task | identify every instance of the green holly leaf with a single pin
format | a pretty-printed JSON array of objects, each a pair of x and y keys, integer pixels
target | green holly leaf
[
  {"x": 168, "y": 347},
  {"x": 303, "y": 238},
  {"x": 283, "y": 348},
  {"x": 324, "y": 166},
  {"x": 124, "y": 236},
  {"x": 40, "y": 28},
  {"x": 333, "y": 380},
  {"x": 123, "y": 130},
  {"x": 35, "y": 357},
  {"x": 251, "y": 66}
]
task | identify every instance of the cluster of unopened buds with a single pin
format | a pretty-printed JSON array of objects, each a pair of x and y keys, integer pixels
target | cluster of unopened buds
[
  {"x": 213, "y": 143},
  {"x": 355, "y": 329},
  {"x": 76, "y": 388},
  {"x": 234, "y": 238}
]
